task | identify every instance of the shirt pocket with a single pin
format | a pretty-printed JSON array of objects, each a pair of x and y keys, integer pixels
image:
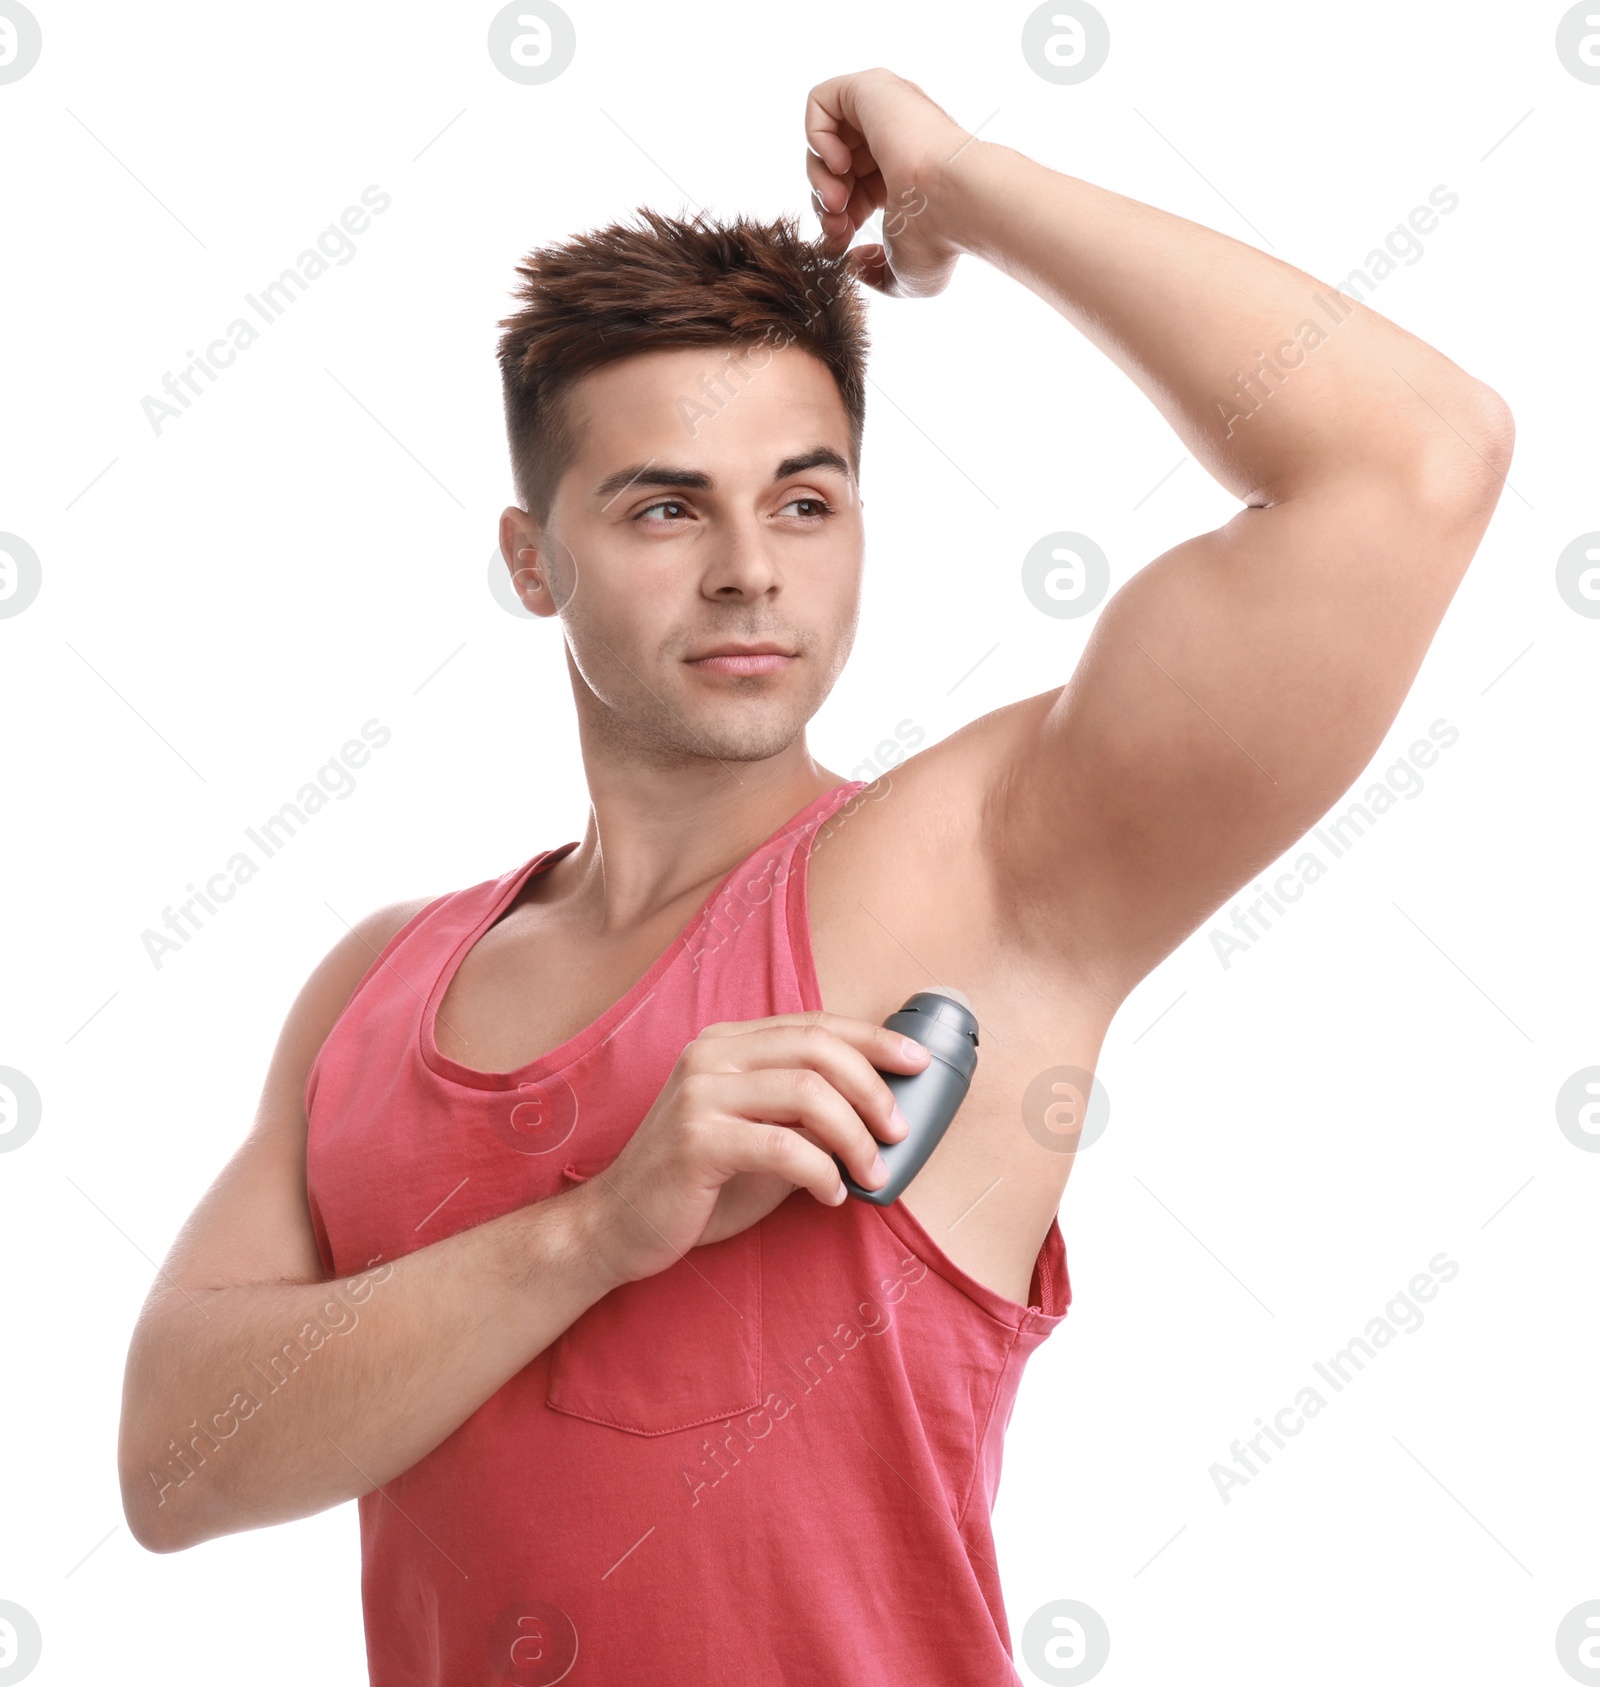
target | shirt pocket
[{"x": 668, "y": 1352}]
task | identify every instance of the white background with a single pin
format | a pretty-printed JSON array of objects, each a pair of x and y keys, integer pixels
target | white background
[{"x": 1292, "y": 1137}]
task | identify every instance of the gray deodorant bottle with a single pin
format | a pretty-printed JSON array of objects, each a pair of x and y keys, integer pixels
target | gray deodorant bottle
[{"x": 944, "y": 1023}]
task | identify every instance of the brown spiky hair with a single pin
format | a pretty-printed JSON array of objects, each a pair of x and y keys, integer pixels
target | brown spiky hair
[{"x": 661, "y": 284}]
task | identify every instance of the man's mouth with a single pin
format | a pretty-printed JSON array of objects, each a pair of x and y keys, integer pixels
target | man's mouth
[{"x": 732, "y": 658}]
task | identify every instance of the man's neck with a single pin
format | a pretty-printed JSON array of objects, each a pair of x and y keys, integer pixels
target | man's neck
[{"x": 658, "y": 835}]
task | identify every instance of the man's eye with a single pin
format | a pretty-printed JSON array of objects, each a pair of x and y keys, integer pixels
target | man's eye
[{"x": 809, "y": 509}]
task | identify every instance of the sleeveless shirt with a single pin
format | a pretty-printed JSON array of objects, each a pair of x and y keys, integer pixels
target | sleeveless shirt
[{"x": 773, "y": 1462}]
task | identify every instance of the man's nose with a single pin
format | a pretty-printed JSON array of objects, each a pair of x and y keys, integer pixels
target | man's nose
[{"x": 739, "y": 561}]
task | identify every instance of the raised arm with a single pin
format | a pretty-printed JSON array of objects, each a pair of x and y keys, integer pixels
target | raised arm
[{"x": 1237, "y": 684}]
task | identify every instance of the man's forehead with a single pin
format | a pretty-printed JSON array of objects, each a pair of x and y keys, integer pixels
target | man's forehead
[
  {"x": 686, "y": 392},
  {"x": 696, "y": 417},
  {"x": 665, "y": 365}
]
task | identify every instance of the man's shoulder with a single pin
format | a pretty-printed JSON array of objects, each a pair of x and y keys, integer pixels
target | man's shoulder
[
  {"x": 375, "y": 931},
  {"x": 380, "y": 928},
  {"x": 353, "y": 956}
]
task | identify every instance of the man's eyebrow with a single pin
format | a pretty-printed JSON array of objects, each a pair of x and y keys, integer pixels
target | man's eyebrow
[{"x": 695, "y": 480}]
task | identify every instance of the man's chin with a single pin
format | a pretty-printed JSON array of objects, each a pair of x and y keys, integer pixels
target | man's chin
[
  {"x": 734, "y": 734},
  {"x": 743, "y": 746}
]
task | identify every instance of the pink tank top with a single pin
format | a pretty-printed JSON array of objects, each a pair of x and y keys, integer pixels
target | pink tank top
[{"x": 773, "y": 1462}]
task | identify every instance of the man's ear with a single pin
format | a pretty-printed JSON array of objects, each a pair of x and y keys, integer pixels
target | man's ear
[{"x": 522, "y": 546}]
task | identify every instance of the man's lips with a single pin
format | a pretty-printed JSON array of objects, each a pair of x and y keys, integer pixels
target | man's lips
[{"x": 737, "y": 659}]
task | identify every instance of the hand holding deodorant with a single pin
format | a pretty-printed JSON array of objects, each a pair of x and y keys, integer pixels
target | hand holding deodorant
[{"x": 943, "y": 1022}]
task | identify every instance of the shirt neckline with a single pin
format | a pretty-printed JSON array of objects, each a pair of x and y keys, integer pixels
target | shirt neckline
[{"x": 598, "y": 1030}]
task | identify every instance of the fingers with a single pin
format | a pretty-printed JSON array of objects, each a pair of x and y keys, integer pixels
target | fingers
[
  {"x": 791, "y": 1122},
  {"x": 819, "y": 1073},
  {"x": 803, "y": 1098},
  {"x": 857, "y": 191},
  {"x": 830, "y": 129},
  {"x": 847, "y": 185},
  {"x": 866, "y": 196},
  {"x": 831, "y": 189},
  {"x": 850, "y": 1053},
  {"x": 836, "y": 229},
  {"x": 773, "y": 1150},
  {"x": 871, "y": 266}
]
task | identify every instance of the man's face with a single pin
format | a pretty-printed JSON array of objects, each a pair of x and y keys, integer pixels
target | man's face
[{"x": 710, "y": 508}]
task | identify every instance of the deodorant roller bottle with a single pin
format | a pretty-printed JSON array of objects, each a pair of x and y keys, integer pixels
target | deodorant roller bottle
[{"x": 944, "y": 1023}]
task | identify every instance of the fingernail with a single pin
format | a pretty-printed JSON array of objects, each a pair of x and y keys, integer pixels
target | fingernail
[
  {"x": 899, "y": 1124},
  {"x": 878, "y": 1172},
  {"x": 912, "y": 1048}
]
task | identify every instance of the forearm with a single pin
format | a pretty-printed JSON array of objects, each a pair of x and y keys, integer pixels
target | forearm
[
  {"x": 1273, "y": 380},
  {"x": 250, "y": 1405}
]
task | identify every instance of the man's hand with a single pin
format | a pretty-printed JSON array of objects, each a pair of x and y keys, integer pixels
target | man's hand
[
  {"x": 878, "y": 143},
  {"x": 716, "y": 1151}
]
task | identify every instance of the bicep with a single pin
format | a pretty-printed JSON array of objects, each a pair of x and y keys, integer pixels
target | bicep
[
  {"x": 253, "y": 1225},
  {"x": 1229, "y": 693}
]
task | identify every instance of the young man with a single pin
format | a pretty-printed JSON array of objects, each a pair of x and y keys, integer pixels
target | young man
[{"x": 626, "y": 1386}]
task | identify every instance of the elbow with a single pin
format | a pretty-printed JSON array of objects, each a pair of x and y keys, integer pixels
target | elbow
[
  {"x": 152, "y": 1475},
  {"x": 148, "y": 1527},
  {"x": 151, "y": 1511},
  {"x": 1494, "y": 432},
  {"x": 153, "y": 1502},
  {"x": 1465, "y": 465}
]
